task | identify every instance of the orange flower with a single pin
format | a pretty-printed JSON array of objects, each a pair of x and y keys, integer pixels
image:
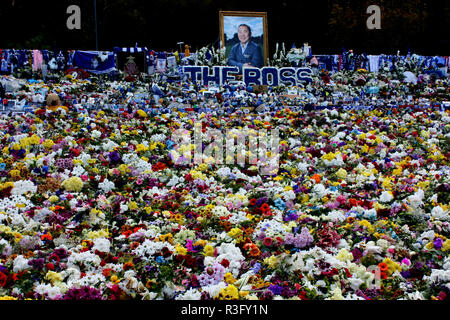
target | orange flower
[
  {"x": 316, "y": 178},
  {"x": 383, "y": 267},
  {"x": 249, "y": 231},
  {"x": 46, "y": 236},
  {"x": 128, "y": 265}
]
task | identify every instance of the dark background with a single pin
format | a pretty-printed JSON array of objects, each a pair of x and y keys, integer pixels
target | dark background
[{"x": 328, "y": 26}]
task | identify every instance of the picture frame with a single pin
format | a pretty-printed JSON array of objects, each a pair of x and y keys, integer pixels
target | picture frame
[{"x": 229, "y": 22}]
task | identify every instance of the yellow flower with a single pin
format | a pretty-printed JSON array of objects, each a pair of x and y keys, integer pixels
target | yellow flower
[
  {"x": 365, "y": 148},
  {"x": 180, "y": 250},
  {"x": 102, "y": 233},
  {"x": 397, "y": 171},
  {"x": 14, "y": 173},
  {"x": 392, "y": 266},
  {"x": 429, "y": 245},
  {"x": 17, "y": 237},
  {"x": 229, "y": 293},
  {"x": 202, "y": 167},
  {"x": 341, "y": 173},
  {"x": 235, "y": 232},
  {"x": 329, "y": 156},
  {"x": 8, "y": 298},
  {"x": 446, "y": 245},
  {"x": 53, "y": 276},
  {"x": 115, "y": 279},
  {"x": 229, "y": 278},
  {"x": 387, "y": 183},
  {"x": 208, "y": 250},
  {"x": 74, "y": 184},
  {"x": 271, "y": 261},
  {"x": 142, "y": 113},
  {"x": 344, "y": 255},
  {"x": 48, "y": 143},
  {"x": 141, "y": 148},
  {"x": 368, "y": 225},
  {"x": 132, "y": 205},
  {"x": 305, "y": 198},
  {"x": 53, "y": 199}
]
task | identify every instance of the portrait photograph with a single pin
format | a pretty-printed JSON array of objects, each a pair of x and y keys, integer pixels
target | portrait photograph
[{"x": 244, "y": 35}]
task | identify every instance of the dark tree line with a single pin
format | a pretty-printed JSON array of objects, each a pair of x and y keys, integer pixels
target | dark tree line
[{"x": 421, "y": 26}]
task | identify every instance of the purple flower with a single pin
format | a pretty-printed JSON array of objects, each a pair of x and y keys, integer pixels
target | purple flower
[
  {"x": 36, "y": 263},
  {"x": 276, "y": 290},
  {"x": 114, "y": 157},
  {"x": 438, "y": 243},
  {"x": 303, "y": 239},
  {"x": 405, "y": 274},
  {"x": 268, "y": 295},
  {"x": 83, "y": 293},
  {"x": 289, "y": 239},
  {"x": 256, "y": 267}
]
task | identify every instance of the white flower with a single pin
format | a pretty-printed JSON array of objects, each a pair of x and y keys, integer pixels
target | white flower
[
  {"x": 214, "y": 290},
  {"x": 382, "y": 243},
  {"x": 22, "y": 187},
  {"x": 439, "y": 213},
  {"x": 101, "y": 244},
  {"x": 415, "y": 296},
  {"x": 20, "y": 264},
  {"x": 48, "y": 289},
  {"x": 148, "y": 248},
  {"x": 106, "y": 186},
  {"x": 191, "y": 294},
  {"x": 386, "y": 196},
  {"x": 319, "y": 190},
  {"x": 78, "y": 171},
  {"x": 336, "y": 215},
  {"x": 96, "y": 134},
  {"x": 220, "y": 211},
  {"x": 87, "y": 258},
  {"x": 415, "y": 200}
]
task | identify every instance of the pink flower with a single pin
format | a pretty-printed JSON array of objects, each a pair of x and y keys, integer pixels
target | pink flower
[
  {"x": 84, "y": 177},
  {"x": 341, "y": 199},
  {"x": 406, "y": 261},
  {"x": 139, "y": 181}
]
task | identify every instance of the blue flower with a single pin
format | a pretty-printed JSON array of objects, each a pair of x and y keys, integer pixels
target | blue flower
[
  {"x": 280, "y": 204},
  {"x": 170, "y": 144},
  {"x": 160, "y": 259},
  {"x": 275, "y": 289},
  {"x": 256, "y": 267}
]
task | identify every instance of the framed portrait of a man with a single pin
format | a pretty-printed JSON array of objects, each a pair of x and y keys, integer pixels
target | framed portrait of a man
[{"x": 244, "y": 36}]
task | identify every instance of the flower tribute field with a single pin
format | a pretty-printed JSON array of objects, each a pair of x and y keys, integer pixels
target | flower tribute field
[{"x": 93, "y": 207}]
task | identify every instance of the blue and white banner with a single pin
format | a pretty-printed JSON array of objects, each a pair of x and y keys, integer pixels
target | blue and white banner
[{"x": 97, "y": 62}]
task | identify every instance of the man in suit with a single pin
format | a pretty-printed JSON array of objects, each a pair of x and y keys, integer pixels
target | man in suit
[{"x": 246, "y": 53}]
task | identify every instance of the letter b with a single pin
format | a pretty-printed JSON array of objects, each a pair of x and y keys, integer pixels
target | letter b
[{"x": 74, "y": 21}]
